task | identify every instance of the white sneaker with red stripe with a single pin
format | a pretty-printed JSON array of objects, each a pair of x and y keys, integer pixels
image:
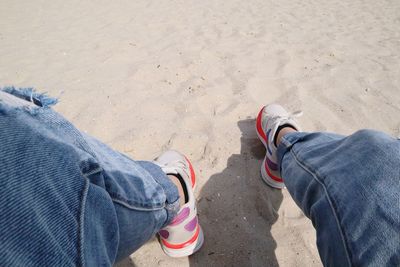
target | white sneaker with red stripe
[
  {"x": 268, "y": 121},
  {"x": 183, "y": 236}
]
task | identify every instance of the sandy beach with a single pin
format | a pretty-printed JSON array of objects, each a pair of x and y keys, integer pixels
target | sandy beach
[{"x": 146, "y": 76}]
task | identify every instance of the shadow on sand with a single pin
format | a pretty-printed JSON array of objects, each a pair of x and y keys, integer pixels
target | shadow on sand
[{"x": 237, "y": 209}]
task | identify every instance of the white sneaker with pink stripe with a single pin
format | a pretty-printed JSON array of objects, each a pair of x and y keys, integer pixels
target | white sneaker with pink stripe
[
  {"x": 183, "y": 236},
  {"x": 268, "y": 121}
]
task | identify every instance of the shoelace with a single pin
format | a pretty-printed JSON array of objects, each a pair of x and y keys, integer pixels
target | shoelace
[
  {"x": 180, "y": 164},
  {"x": 291, "y": 116}
]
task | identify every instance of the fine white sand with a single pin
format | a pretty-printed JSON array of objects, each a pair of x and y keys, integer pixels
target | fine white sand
[{"x": 145, "y": 76}]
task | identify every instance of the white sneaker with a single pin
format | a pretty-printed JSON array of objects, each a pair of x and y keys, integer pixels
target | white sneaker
[
  {"x": 268, "y": 121},
  {"x": 183, "y": 236}
]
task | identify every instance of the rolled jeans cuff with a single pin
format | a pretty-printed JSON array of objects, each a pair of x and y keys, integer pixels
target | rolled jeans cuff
[
  {"x": 287, "y": 141},
  {"x": 171, "y": 192}
]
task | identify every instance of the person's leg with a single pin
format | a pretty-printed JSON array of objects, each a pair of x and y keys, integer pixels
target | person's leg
[
  {"x": 134, "y": 195},
  {"x": 143, "y": 199},
  {"x": 68, "y": 199},
  {"x": 350, "y": 188}
]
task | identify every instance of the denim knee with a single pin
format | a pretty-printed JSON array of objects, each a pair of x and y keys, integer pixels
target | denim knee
[
  {"x": 376, "y": 140},
  {"x": 359, "y": 178}
]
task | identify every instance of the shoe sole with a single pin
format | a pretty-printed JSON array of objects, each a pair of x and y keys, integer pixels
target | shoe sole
[
  {"x": 267, "y": 179},
  {"x": 188, "y": 250},
  {"x": 264, "y": 171}
]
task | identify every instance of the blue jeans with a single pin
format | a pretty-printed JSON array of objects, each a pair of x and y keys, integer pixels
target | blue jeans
[
  {"x": 350, "y": 189},
  {"x": 68, "y": 199}
]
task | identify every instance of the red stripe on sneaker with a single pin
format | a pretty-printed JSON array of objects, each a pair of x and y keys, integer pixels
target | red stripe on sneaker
[
  {"x": 259, "y": 127},
  {"x": 182, "y": 245},
  {"x": 273, "y": 177},
  {"x": 192, "y": 174}
]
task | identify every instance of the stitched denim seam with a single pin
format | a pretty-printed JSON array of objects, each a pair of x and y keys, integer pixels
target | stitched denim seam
[
  {"x": 153, "y": 177},
  {"x": 162, "y": 187},
  {"x": 316, "y": 178},
  {"x": 155, "y": 180},
  {"x": 134, "y": 203},
  {"x": 81, "y": 255},
  {"x": 126, "y": 204},
  {"x": 167, "y": 206},
  {"x": 96, "y": 170},
  {"x": 286, "y": 142}
]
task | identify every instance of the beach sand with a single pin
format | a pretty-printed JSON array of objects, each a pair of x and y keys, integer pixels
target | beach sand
[{"x": 145, "y": 76}]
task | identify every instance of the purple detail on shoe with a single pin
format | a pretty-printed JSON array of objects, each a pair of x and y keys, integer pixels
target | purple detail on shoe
[
  {"x": 164, "y": 234},
  {"x": 182, "y": 215},
  {"x": 190, "y": 226},
  {"x": 271, "y": 165},
  {"x": 269, "y": 150}
]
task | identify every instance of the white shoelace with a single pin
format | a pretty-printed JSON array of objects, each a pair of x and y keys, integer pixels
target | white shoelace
[{"x": 291, "y": 116}]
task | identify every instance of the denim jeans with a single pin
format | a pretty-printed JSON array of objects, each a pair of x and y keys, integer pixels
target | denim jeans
[
  {"x": 350, "y": 189},
  {"x": 67, "y": 199}
]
